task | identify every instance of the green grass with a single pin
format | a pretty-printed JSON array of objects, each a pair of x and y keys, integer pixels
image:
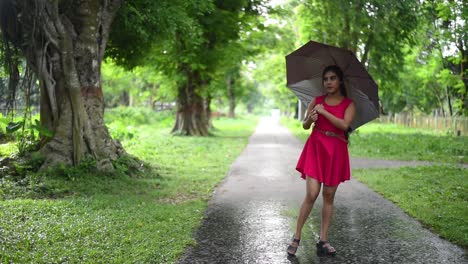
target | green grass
[
  {"x": 388, "y": 141},
  {"x": 79, "y": 216},
  {"x": 435, "y": 195}
]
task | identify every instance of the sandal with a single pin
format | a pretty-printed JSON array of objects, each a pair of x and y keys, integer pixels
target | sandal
[
  {"x": 325, "y": 249},
  {"x": 292, "y": 249}
]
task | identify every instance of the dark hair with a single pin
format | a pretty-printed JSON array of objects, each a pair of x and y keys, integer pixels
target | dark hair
[{"x": 336, "y": 70}]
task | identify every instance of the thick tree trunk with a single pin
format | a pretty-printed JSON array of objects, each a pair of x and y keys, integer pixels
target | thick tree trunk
[
  {"x": 65, "y": 50},
  {"x": 191, "y": 119}
]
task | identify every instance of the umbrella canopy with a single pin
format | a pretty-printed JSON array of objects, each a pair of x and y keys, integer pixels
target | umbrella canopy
[{"x": 304, "y": 69}]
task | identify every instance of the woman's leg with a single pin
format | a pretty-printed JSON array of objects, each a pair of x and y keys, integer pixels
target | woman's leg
[
  {"x": 312, "y": 192},
  {"x": 328, "y": 194}
]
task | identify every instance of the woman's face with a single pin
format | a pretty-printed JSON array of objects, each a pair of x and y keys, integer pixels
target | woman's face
[{"x": 331, "y": 82}]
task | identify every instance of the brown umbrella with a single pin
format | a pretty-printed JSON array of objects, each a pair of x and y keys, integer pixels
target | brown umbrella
[{"x": 304, "y": 69}]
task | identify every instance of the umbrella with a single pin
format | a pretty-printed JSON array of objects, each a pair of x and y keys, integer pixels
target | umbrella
[{"x": 304, "y": 68}]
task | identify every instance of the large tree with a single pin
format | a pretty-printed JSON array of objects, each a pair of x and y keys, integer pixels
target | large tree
[{"x": 64, "y": 43}]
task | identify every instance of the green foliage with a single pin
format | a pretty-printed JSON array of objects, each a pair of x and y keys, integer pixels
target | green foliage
[
  {"x": 123, "y": 122},
  {"x": 413, "y": 49},
  {"x": 3, "y": 123},
  {"x": 269, "y": 71},
  {"x": 212, "y": 54},
  {"x": 388, "y": 141},
  {"x": 183, "y": 43},
  {"x": 141, "y": 25},
  {"x": 8, "y": 148},
  {"x": 141, "y": 86},
  {"x": 27, "y": 134},
  {"x": 78, "y": 215},
  {"x": 375, "y": 30},
  {"x": 422, "y": 90},
  {"x": 271, "y": 75},
  {"x": 435, "y": 195},
  {"x": 14, "y": 126}
]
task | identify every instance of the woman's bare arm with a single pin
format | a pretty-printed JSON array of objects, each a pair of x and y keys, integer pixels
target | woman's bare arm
[{"x": 310, "y": 116}]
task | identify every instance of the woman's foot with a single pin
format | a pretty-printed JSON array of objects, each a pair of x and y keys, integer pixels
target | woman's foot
[
  {"x": 325, "y": 249},
  {"x": 292, "y": 248}
]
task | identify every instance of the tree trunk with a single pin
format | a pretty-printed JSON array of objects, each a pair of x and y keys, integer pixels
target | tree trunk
[
  {"x": 65, "y": 48},
  {"x": 232, "y": 97},
  {"x": 191, "y": 119},
  {"x": 449, "y": 101},
  {"x": 208, "y": 111},
  {"x": 124, "y": 98},
  {"x": 366, "y": 49},
  {"x": 13, "y": 80},
  {"x": 130, "y": 100}
]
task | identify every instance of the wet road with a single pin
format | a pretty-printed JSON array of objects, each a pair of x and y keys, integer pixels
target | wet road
[{"x": 252, "y": 215}]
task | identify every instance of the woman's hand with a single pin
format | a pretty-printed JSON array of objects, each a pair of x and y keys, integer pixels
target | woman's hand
[
  {"x": 312, "y": 116},
  {"x": 319, "y": 109}
]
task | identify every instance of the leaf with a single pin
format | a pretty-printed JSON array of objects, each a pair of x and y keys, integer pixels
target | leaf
[
  {"x": 14, "y": 126},
  {"x": 43, "y": 131}
]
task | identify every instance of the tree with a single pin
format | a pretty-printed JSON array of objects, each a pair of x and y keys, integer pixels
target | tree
[
  {"x": 448, "y": 35},
  {"x": 193, "y": 60},
  {"x": 64, "y": 43},
  {"x": 228, "y": 80}
]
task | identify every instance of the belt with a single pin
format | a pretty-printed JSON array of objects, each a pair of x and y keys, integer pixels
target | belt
[{"x": 331, "y": 134}]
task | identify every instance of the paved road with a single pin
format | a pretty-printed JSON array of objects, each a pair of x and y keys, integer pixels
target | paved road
[{"x": 252, "y": 214}]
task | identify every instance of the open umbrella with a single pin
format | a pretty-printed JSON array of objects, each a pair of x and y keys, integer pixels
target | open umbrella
[{"x": 304, "y": 68}]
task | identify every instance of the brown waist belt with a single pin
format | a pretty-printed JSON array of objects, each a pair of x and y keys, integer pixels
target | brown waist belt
[{"x": 331, "y": 134}]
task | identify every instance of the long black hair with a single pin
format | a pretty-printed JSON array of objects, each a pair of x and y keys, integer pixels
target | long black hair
[{"x": 337, "y": 70}]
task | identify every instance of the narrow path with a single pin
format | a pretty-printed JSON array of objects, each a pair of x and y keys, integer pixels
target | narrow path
[{"x": 252, "y": 214}]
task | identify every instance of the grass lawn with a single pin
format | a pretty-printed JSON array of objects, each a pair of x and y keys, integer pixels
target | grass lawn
[
  {"x": 435, "y": 195},
  {"x": 79, "y": 216},
  {"x": 388, "y": 141}
]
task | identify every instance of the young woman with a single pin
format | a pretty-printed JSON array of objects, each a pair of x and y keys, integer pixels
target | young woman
[{"x": 324, "y": 160}]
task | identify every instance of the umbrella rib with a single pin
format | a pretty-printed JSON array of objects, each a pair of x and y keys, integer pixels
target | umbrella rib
[
  {"x": 349, "y": 62},
  {"x": 333, "y": 58}
]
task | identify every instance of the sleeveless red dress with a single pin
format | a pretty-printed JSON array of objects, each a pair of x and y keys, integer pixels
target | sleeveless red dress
[{"x": 325, "y": 157}]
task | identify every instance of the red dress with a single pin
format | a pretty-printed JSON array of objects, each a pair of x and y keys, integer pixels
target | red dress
[{"x": 325, "y": 154}]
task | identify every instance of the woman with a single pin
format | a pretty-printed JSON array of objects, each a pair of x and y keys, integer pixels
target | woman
[{"x": 324, "y": 160}]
